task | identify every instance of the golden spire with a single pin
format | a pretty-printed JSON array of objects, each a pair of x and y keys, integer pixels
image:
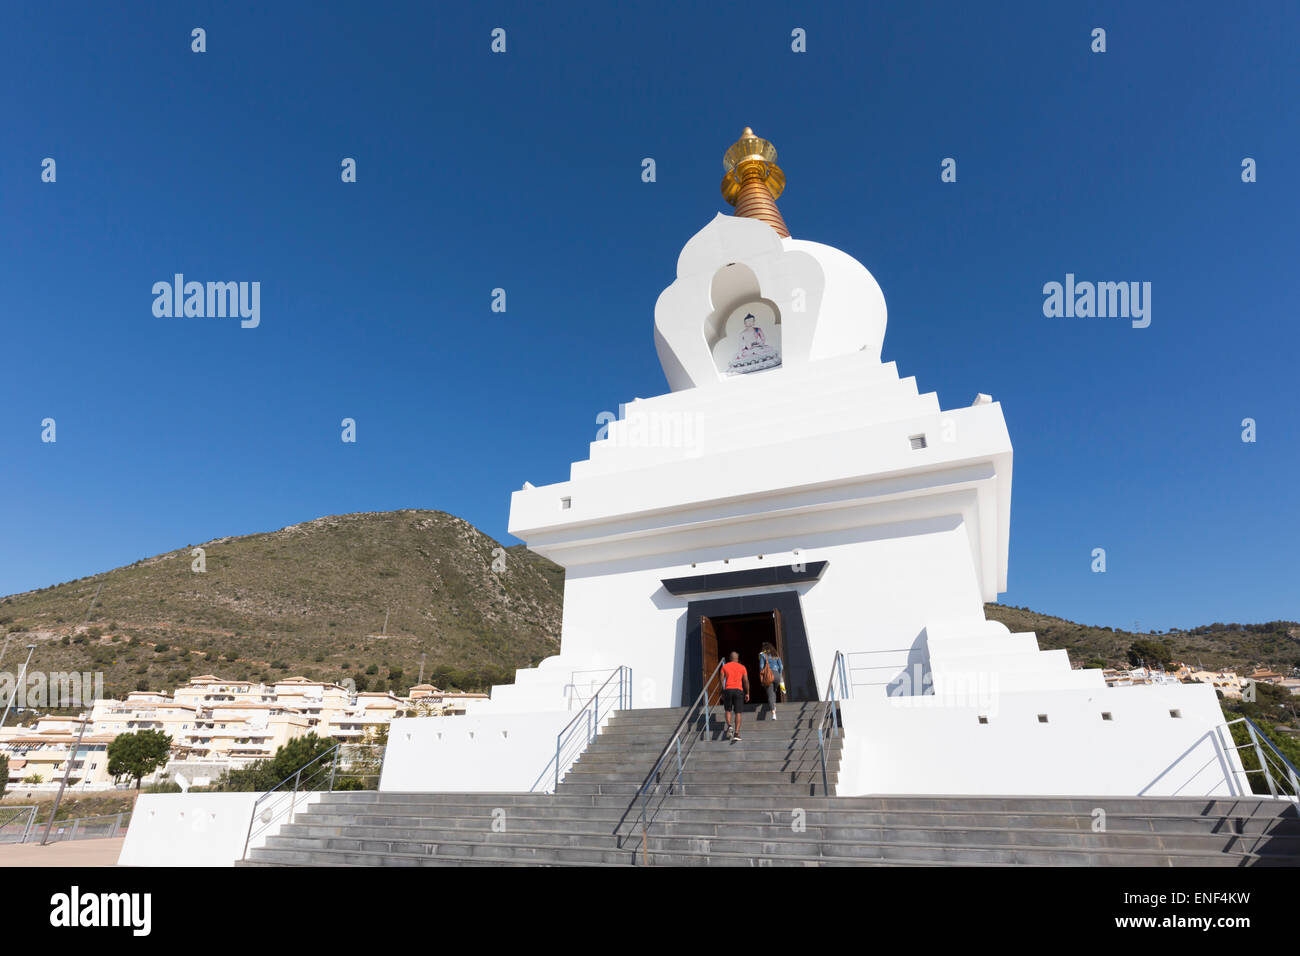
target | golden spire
[{"x": 754, "y": 181}]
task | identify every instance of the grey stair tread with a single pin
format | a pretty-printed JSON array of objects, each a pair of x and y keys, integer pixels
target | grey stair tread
[
  {"x": 900, "y": 854},
  {"x": 727, "y": 833},
  {"x": 704, "y": 812},
  {"x": 545, "y": 842},
  {"x": 733, "y": 808}
]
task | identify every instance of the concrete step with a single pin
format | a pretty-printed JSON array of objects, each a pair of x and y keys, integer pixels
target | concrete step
[
  {"x": 319, "y": 857},
  {"x": 703, "y": 813},
  {"x": 771, "y": 791},
  {"x": 737, "y": 755},
  {"x": 695, "y": 775},
  {"x": 707, "y": 813},
  {"x": 748, "y": 743},
  {"x": 726, "y": 770},
  {"x": 836, "y": 840},
  {"x": 662, "y": 731},
  {"x": 687, "y": 852},
  {"x": 790, "y": 706},
  {"x": 1234, "y": 808},
  {"x": 750, "y": 824}
]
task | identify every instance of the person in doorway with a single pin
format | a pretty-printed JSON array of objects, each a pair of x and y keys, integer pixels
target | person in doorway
[
  {"x": 771, "y": 674},
  {"x": 735, "y": 692}
]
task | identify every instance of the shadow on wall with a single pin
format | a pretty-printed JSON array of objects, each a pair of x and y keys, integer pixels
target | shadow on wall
[
  {"x": 914, "y": 679},
  {"x": 1191, "y": 769}
]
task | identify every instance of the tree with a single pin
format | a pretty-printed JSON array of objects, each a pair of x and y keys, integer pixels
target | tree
[
  {"x": 296, "y": 754},
  {"x": 288, "y": 760},
  {"x": 138, "y": 755},
  {"x": 1149, "y": 652},
  {"x": 4, "y": 774}
]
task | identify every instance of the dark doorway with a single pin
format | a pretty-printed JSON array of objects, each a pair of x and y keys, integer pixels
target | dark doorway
[
  {"x": 717, "y": 627},
  {"x": 744, "y": 634}
]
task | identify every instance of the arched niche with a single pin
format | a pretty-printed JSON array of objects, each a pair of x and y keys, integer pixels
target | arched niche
[{"x": 734, "y": 290}]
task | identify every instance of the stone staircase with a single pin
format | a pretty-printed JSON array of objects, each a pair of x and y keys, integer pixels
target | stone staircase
[
  {"x": 759, "y": 802},
  {"x": 772, "y": 757}
]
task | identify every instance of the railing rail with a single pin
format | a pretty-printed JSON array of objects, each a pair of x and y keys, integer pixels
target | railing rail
[
  {"x": 579, "y": 732},
  {"x": 14, "y": 817},
  {"x": 879, "y": 667},
  {"x": 73, "y": 828},
  {"x": 831, "y": 711},
  {"x": 573, "y": 690},
  {"x": 89, "y": 828},
  {"x": 654, "y": 779},
  {"x": 1280, "y": 775},
  {"x": 282, "y": 800}
]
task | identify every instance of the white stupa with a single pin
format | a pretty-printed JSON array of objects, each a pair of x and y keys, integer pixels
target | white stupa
[{"x": 791, "y": 487}]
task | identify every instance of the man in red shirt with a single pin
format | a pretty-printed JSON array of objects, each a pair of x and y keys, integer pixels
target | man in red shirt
[{"x": 735, "y": 685}]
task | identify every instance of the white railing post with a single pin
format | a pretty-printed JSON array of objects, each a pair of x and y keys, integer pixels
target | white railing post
[
  {"x": 1259, "y": 755},
  {"x": 293, "y": 800}
]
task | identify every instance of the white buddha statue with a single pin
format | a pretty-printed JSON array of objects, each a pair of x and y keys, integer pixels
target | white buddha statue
[{"x": 755, "y": 353}]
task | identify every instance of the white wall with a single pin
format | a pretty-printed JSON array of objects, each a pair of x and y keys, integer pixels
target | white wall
[
  {"x": 495, "y": 752},
  {"x": 880, "y": 587},
  {"x": 194, "y": 829},
  {"x": 925, "y": 745}
]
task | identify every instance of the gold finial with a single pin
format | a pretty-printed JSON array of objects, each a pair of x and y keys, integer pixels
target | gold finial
[{"x": 753, "y": 181}]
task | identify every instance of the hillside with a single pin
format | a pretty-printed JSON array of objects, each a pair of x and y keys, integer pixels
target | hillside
[
  {"x": 1274, "y": 644},
  {"x": 312, "y": 598},
  {"x": 308, "y": 599}
]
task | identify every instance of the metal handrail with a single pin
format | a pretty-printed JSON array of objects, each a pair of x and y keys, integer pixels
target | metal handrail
[
  {"x": 591, "y": 712},
  {"x": 278, "y": 791},
  {"x": 828, "y": 708},
  {"x": 281, "y": 790},
  {"x": 572, "y": 687},
  {"x": 674, "y": 745},
  {"x": 1293, "y": 774},
  {"x": 852, "y": 669},
  {"x": 1271, "y": 761}
]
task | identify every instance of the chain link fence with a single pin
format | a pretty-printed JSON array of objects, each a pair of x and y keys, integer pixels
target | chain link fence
[{"x": 19, "y": 825}]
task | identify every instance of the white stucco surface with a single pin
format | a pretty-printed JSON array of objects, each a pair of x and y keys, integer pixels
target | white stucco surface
[
  {"x": 489, "y": 752},
  {"x": 929, "y": 745},
  {"x": 195, "y": 829}
]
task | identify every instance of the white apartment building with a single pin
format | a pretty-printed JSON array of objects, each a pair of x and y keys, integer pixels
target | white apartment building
[
  {"x": 40, "y": 754},
  {"x": 215, "y": 724}
]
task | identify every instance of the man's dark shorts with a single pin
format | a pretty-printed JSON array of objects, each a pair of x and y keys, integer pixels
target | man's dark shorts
[{"x": 732, "y": 698}]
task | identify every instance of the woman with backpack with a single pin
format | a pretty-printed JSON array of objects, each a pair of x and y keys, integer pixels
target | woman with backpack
[{"x": 771, "y": 673}]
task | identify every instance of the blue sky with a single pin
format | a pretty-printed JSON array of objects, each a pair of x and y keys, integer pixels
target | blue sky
[{"x": 522, "y": 171}]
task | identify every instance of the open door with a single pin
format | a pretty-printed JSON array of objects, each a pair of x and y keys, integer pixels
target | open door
[
  {"x": 778, "y": 641},
  {"x": 709, "y": 655}
]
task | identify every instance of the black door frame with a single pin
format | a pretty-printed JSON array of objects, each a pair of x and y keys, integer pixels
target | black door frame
[{"x": 800, "y": 682}]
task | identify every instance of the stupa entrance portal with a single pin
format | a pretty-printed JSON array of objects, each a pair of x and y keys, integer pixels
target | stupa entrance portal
[{"x": 715, "y": 628}]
